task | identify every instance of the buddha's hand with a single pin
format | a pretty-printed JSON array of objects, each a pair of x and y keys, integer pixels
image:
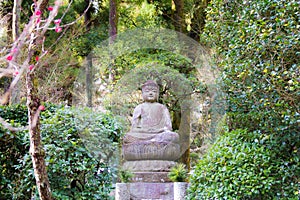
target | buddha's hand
[{"x": 155, "y": 130}]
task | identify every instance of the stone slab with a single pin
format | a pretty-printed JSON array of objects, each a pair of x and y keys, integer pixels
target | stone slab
[
  {"x": 145, "y": 191},
  {"x": 150, "y": 177},
  {"x": 180, "y": 189},
  {"x": 149, "y": 165}
]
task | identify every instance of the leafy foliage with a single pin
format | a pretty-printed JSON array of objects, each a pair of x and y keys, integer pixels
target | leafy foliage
[
  {"x": 144, "y": 56},
  {"x": 178, "y": 173},
  {"x": 81, "y": 150},
  {"x": 258, "y": 44},
  {"x": 243, "y": 165},
  {"x": 258, "y": 50},
  {"x": 12, "y": 148},
  {"x": 84, "y": 142},
  {"x": 125, "y": 175}
]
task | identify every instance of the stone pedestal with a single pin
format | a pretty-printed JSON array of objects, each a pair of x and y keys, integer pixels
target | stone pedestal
[
  {"x": 150, "y": 177},
  {"x": 149, "y": 165},
  {"x": 150, "y": 191},
  {"x": 122, "y": 191},
  {"x": 180, "y": 190},
  {"x": 146, "y": 191}
]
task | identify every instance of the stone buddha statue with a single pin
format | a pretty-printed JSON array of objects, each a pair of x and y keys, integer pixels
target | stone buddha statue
[{"x": 150, "y": 145}]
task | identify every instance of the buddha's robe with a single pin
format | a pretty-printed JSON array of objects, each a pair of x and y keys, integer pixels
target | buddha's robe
[{"x": 151, "y": 122}]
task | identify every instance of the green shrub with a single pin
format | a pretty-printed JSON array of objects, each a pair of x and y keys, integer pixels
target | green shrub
[
  {"x": 12, "y": 149},
  {"x": 125, "y": 176},
  {"x": 81, "y": 153},
  {"x": 15, "y": 114},
  {"x": 243, "y": 165},
  {"x": 80, "y": 147},
  {"x": 178, "y": 173},
  {"x": 258, "y": 50},
  {"x": 257, "y": 47}
]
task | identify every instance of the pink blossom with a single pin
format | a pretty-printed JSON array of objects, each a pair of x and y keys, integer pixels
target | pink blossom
[
  {"x": 14, "y": 50},
  {"x": 16, "y": 73},
  {"x": 41, "y": 108},
  {"x": 37, "y": 58},
  {"x": 9, "y": 58},
  {"x": 57, "y": 21},
  {"x": 57, "y": 3},
  {"x": 38, "y": 20},
  {"x": 38, "y": 12},
  {"x": 58, "y": 29},
  {"x": 31, "y": 67},
  {"x": 50, "y": 8}
]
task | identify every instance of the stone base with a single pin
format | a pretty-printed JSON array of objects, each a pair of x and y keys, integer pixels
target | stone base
[
  {"x": 180, "y": 190},
  {"x": 150, "y": 191},
  {"x": 150, "y": 177},
  {"x": 149, "y": 165},
  {"x": 150, "y": 150},
  {"x": 146, "y": 191}
]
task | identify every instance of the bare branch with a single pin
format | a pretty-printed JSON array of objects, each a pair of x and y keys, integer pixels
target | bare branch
[
  {"x": 6, "y": 72},
  {"x": 8, "y": 126},
  {"x": 69, "y": 24}
]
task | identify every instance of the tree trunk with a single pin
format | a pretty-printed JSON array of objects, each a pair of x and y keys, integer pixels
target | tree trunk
[
  {"x": 184, "y": 130},
  {"x": 113, "y": 20},
  {"x": 113, "y": 23},
  {"x": 88, "y": 64},
  {"x": 182, "y": 117},
  {"x": 89, "y": 80},
  {"x": 36, "y": 149},
  {"x": 16, "y": 19},
  {"x": 15, "y": 95},
  {"x": 198, "y": 20},
  {"x": 178, "y": 16}
]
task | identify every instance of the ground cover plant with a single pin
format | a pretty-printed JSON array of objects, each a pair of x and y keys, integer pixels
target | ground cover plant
[{"x": 75, "y": 166}]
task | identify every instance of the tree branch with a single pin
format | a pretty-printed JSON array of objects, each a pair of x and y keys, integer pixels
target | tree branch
[{"x": 8, "y": 126}]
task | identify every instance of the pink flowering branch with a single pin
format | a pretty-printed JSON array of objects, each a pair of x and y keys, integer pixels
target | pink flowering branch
[
  {"x": 33, "y": 37},
  {"x": 29, "y": 34}
]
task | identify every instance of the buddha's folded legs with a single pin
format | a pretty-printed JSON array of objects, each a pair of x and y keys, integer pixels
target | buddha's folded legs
[{"x": 167, "y": 136}]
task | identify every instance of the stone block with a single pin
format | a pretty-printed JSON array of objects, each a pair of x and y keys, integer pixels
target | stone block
[
  {"x": 149, "y": 165},
  {"x": 151, "y": 177},
  {"x": 180, "y": 190},
  {"x": 150, "y": 191},
  {"x": 145, "y": 191}
]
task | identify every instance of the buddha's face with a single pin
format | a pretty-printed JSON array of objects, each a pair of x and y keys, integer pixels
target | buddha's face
[{"x": 150, "y": 94}]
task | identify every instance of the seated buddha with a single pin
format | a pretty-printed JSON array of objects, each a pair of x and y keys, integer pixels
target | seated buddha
[{"x": 151, "y": 136}]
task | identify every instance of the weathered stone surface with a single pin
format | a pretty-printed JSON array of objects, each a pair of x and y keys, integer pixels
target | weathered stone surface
[
  {"x": 149, "y": 191},
  {"x": 122, "y": 191},
  {"x": 149, "y": 150},
  {"x": 180, "y": 190},
  {"x": 149, "y": 165},
  {"x": 152, "y": 191},
  {"x": 151, "y": 177},
  {"x": 150, "y": 136}
]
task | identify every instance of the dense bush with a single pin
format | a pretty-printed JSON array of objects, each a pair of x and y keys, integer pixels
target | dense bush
[
  {"x": 81, "y": 149},
  {"x": 242, "y": 165},
  {"x": 258, "y": 46},
  {"x": 12, "y": 149}
]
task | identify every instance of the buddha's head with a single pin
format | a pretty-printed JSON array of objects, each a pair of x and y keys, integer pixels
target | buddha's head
[{"x": 150, "y": 91}]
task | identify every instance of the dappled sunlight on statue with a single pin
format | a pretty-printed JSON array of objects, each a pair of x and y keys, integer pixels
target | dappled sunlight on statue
[{"x": 151, "y": 136}]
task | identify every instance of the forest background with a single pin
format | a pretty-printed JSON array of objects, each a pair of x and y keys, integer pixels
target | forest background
[{"x": 55, "y": 91}]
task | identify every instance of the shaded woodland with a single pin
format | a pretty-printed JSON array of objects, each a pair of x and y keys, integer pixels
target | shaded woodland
[{"x": 70, "y": 73}]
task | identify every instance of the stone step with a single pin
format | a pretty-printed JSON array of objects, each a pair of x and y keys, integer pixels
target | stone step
[
  {"x": 151, "y": 191},
  {"x": 150, "y": 177}
]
